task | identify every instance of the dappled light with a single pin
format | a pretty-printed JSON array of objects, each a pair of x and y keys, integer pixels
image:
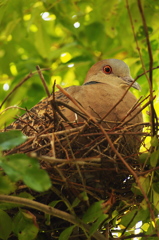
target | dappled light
[{"x": 71, "y": 170}]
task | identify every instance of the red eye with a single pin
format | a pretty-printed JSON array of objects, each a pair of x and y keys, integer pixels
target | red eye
[{"x": 107, "y": 69}]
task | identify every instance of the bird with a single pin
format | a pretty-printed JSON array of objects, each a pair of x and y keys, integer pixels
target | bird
[{"x": 104, "y": 95}]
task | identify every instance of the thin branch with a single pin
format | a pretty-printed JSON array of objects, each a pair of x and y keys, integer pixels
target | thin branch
[
  {"x": 51, "y": 211},
  {"x": 43, "y": 80}
]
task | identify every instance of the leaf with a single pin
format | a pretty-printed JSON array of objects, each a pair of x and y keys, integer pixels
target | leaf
[
  {"x": 66, "y": 233},
  {"x": 54, "y": 203},
  {"x": 154, "y": 158},
  {"x": 37, "y": 179},
  {"x": 156, "y": 186},
  {"x": 130, "y": 219},
  {"x": 96, "y": 225},
  {"x": 25, "y": 226},
  {"x": 82, "y": 197},
  {"x": 145, "y": 183},
  {"x": 26, "y": 195},
  {"x": 154, "y": 141},
  {"x": 6, "y": 185},
  {"x": 93, "y": 212},
  {"x": 5, "y": 225},
  {"x": 143, "y": 204},
  {"x": 144, "y": 158},
  {"x": 11, "y": 139},
  {"x": 16, "y": 165},
  {"x": 7, "y": 116},
  {"x": 22, "y": 167},
  {"x": 156, "y": 199}
]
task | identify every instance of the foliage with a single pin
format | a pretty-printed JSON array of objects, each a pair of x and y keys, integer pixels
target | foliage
[{"x": 67, "y": 37}]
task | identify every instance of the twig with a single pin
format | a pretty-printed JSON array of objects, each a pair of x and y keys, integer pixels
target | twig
[
  {"x": 51, "y": 211},
  {"x": 150, "y": 79},
  {"x": 146, "y": 72},
  {"x": 43, "y": 80}
]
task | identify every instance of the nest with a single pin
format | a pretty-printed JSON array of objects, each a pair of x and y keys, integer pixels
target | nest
[{"x": 81, "y": 156}]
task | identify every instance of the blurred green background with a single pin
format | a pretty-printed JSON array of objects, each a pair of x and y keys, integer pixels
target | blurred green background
[{"x": 69, "y": 36}]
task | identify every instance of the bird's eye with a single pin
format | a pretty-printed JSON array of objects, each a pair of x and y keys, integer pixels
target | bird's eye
[{"x": 107, "y": 69}]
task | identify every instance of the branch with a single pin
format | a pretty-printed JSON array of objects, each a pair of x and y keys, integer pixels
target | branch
[{"x": 51, "y": 211}]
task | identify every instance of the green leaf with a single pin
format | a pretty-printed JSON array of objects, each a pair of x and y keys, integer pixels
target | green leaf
[
  {"x": 54, "y": 203},
  {"x": 66, "y": 233},
  {"x": 97, "y": 224},
  {"x": 37, "y": 179},
  {"x": 16, "y": 165},
  {"x": 143, "y": 204},
  {"x": 6, "y": 185},
  {"x": 156, "y": 199},
  {"x": 25, "y": 226},
  {"x": 7, "y": 116},
  {"x": 156, "y": 186},
  {"x": 26, "y": 195},
  {"x": 154, "y": 141},
  {"x": 11, "y": 139},
  {"x": 22, "y": 167},
  {"x": 130, "y": 219},
  {"x": 154, "y": 158},
  {"x": 93, "y": 212},
  {"x": 5, "y": 225},
  {"x": 151, "y": 230},
  {"x": 144, "y": 158},
  {"x": 145, "y": 183},
  {"x": 82, "y": 197}
]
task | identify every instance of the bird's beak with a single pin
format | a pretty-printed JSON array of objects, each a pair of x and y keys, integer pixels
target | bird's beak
[{"x": 129, "y": 82}]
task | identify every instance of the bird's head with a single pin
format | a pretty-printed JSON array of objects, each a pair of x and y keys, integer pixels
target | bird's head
[{"x": 111, "y": 71}]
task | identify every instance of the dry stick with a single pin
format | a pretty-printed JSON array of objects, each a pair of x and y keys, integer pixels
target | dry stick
[
  {"x": 150, "y": 79},
  {"x": 55, "y": 117},
  {"x": 43, "y": 80},
  {"x": 71, "y": 160},
  {"x": 51, "y": 211},
  {"x": 113, "y": 148}
]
